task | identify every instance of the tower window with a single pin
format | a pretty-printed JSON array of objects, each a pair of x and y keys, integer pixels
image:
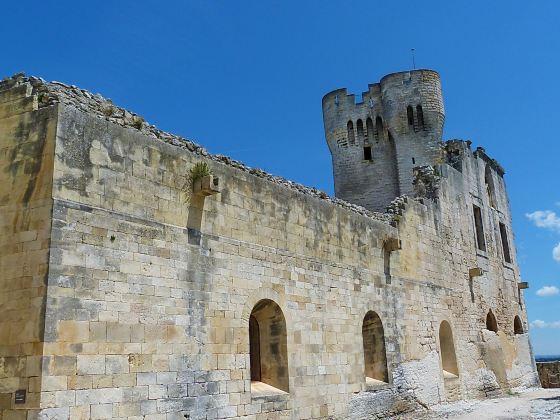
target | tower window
[
  {"x": 350, "y": 127},
  {"x": 410, "y": 115},
  {"x": 413, "y": 161},
  {"x": 505, "y": 243},
  {"x": 479, "y": 228},
  {"x": 367, "y": 153},
  {"x": 378, "y": 128},
  {"x": 420, "y": 117},
  {"x": 369, "y": 129},
  {"x": 360, "y": 127}
]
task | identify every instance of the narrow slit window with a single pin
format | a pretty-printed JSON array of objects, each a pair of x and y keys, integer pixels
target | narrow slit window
[
  {"x": 517, "y": 325},
  {"x": 479, "y": 228},
  {"x": 360, "y": 128},
  {"x": 367, "y": 153},
  {"x": 369, "y": 129},
  {"x": 378, "y": 128},
  {"x": 410, "y": 115},
  {"x": 420, "y": 117},
  {"x": 505, "y": 243},
  {"x": 350, "y": 127},
  {"x": 413, "y": 161}
]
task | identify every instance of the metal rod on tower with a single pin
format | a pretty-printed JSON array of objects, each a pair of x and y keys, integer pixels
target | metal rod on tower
[{"x": 413, "y": 59}]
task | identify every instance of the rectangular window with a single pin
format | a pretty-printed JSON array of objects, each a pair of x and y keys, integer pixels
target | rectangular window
[
  {"x": 479, "y": 228},
  {"x": 505, "y": 243},
  {"x": 367, "y": 153}
]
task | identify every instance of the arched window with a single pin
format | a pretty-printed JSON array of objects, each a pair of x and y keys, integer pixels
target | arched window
[
  {"x": 369, "y": 129},
  {"x": 378, "y": 129},
  {"x": 420, "y": 117},
  {"x": 517, "y": 325},
  {"x": 490, "y": 190},
  {"x": 410, "y": 115},
  {"x": 491, "y": 323},
  {"x": 350, "y": 127},
  {"x": 360, "y": 127},
  {"x": 268, "y": 345},
  {"x": 375, "y": 358},
  {"x": 447, "y": 348}
]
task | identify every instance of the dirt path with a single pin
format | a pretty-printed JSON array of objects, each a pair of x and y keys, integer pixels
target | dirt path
[{"x": 532, "y": 404}]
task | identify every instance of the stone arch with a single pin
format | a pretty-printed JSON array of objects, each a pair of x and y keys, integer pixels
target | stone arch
[
  {"x": 518, "y": 326},
  {"x": 447, "y": 351},
  {"x": 491, "y": 322},
  {"x": 268, "y": 337},
  {"x": 375, "y": 356}
]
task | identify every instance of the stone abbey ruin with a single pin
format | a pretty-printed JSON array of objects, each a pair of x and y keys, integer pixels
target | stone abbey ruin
[{"x": 132, "y": 289}]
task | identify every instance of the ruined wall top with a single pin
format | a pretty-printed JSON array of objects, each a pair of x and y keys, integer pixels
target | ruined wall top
[{"x": 50, "y": 93}]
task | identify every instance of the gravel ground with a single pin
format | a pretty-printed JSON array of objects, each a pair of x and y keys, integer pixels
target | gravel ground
[{"x": 530, "y": 404}]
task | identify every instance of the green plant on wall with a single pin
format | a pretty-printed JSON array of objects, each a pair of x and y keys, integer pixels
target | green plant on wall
[{"x": 198, "y": 171}]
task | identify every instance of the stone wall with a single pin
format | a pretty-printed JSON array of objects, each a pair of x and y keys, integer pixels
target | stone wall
[
  {"x": 27, "y": 137},
  {"x": 150, "y": 288},
  {"x": 549, "y": 374}
]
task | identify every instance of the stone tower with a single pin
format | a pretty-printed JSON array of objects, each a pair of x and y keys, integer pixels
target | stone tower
[{"x": 376, "y": 143}]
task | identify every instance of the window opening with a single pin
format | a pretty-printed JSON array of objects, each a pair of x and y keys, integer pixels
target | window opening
[
  {"x": 350, "y": 127},
  {"x": 491, "y": 323},
  {"x": 360, "y": 127},
  {"x": 489, "y": 183},
  {"x": 447, "y": 348},
  {"x": 410, "y": 115},
  {"x": 367, "y": 153},
  {"x": 375, "y": 357},
  {"x": 378, "y": 128},
  {"x": 369, "y": 129},
  {"x": 479, "y": 228},
  {"x": 420, "y": 117},
  {"x": 268, "y": 345},
  {"x": 505, "y": 243},
  {"x": 517, "y": 325}
]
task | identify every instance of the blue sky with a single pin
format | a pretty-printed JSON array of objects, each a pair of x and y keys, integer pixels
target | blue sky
[{"x": 246, "y": 78}]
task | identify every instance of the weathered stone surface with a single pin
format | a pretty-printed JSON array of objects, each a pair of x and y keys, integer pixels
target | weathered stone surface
[{"x": 123, "y": 296}]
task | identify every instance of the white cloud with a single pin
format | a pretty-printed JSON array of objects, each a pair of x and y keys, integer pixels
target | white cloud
[
  {"x": 545, "y": 219},
  {"x": 548, "y": 291},
  {"x": 556, "y": 252},
  {"x": 537, "y": 323}
]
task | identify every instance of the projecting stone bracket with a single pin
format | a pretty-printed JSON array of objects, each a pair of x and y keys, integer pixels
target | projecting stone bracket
[
  {"x": 207, "y": 185},
  {"x": 392, "y": 244},
  {"x": 475, "y": 272},
  {"x": 522, "y": 285}
]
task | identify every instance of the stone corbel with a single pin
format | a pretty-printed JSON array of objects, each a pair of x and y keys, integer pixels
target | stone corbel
[
  {"x": 522, "y": 285},
  {"x": 207, "y": 185},
  {"x": 392, "y": 244}
]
